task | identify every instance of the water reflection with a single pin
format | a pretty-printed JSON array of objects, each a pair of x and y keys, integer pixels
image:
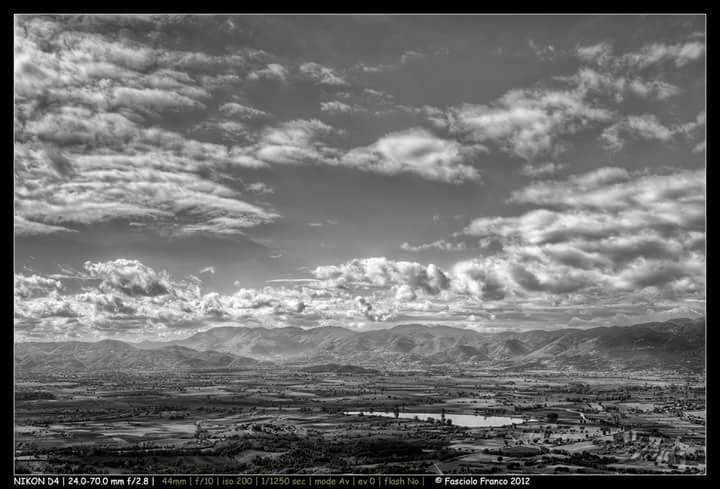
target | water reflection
[{"x": 467, "y": 420}]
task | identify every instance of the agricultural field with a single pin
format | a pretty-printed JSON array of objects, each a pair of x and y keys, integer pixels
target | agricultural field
[{"x": 300, "y": 420}]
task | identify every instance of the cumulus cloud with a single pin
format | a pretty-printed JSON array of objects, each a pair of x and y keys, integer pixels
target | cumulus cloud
[
  {"x": 614, "y": 188},
  {"x": 122, "y": 295},
  {"x": 129, "y": 276},
  {"x": 126, "y": 297},
  {"x": 381, "y": 272},
  {"x": 418, "y": 152},
  {"x": 366, "y": 309},
  {"x": 533, "y": 123},
  {"x": 528, "y": 123},
  {"x": 98, "y": 140},
  {"x": 28, "y": 285},
  {"x": 272, "y": 71},
  {"x": 606, "y": 228},
  {"x": 295, "y": 142},
  {"x": 487, "y": 279},
  {"x": 322, "y": 75}
]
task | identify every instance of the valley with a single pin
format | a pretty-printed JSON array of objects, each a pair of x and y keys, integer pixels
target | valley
[
  {"x": 173, "y": 409},
  {"x": 290, "y": 421}
]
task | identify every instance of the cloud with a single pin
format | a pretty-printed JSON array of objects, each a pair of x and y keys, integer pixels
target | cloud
[
  {"x": 362, "y": 305},
  {"x": 27, "y": 286},
  {"x": 647, "y": 273},
  {"x": 418, "y": 152},
  {"x": 533, "y": 123},
  {"x": 322, "y": 75},
  {"x": 617, "y": 86},
  {"x": 528, "y": 123},
  {"x": 646, "y": 127},
  {"x": 547, "y": 52},
  {"x": 91, "y": 145},
  {"x": 295, "y": 142},
  {"x": 141, "y": 132},
  {"x": 411, "y": 57},
  {"x": 273, "y": 71},
  {"x": 244, "y": 112},
  {"x": 230, "y": 131},
  {"x": 335, "y": 107},
  {"x": 542, "y": 169},
  {"x": 130, "y": 277},
  {"x": 680, "y": 55},
  {"x": 25, "y": 228},
  {"x": 143, "y": 187},
  {"x": 96, "y": 70},
  {"x": 484, "y": 278},
  {"x": 126, "y": 299},
  {"x": 600, "y": 53},
  {"x": 58, "y": 160},
  {"x": 381, "y": 272},
  {"x": 616, "y": 189},
  {"x": 441, "y": 245},
  {"x": 152, "y": 101},
  {"x": 607, "y": 229}
]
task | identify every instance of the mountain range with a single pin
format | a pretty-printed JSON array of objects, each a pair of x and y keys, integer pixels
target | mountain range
[
  {"x": 674, "y": 344},
  {"x": 111, "y": 355}
]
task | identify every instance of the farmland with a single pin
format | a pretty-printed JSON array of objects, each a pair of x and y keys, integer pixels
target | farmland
[{"x": 295, "y": 419}]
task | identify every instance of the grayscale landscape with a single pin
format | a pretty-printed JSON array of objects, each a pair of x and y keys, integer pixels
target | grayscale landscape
[{"x": 360, "y": 244}]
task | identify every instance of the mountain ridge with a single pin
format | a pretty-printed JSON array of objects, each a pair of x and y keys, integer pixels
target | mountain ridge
[{"x": 673, "y": 344}]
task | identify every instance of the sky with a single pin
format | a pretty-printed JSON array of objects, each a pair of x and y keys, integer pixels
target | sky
[{"x": 175, "y": 173}]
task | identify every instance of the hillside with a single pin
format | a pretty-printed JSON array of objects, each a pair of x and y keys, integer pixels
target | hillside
[
  {"x": 676, "y": 344},
  {"x": 109, "y": 355}
]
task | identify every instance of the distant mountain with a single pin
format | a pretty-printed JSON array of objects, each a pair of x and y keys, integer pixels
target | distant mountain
[
  {"x": 340, "y": 369},
  {"x": 279, "y": 344},
  {"x": 675, "y": 344},
  {"x": 109, "y": 355},
  {"x": 672, "y": 344}
]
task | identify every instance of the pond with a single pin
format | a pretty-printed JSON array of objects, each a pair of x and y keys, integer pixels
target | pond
[{"x": 467, "y": 420}]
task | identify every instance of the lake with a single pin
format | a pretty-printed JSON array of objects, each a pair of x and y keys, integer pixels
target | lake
[{"x": 468, "y": 420}]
